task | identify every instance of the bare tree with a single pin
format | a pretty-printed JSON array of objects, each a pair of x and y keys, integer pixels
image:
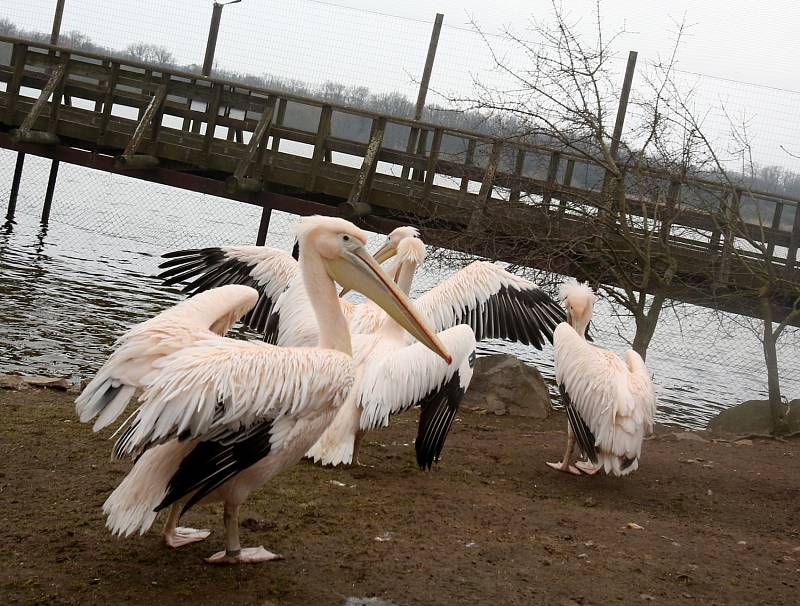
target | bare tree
[{"x": 150, "y": 53}]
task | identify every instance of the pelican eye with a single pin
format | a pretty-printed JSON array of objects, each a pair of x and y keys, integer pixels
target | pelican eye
[{"x": 346, "y": 238}]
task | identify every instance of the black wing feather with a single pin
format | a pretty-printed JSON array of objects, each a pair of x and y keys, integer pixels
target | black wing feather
[
  {"x": 213, "y": 462},
  {"x": 583, "y": 434}
]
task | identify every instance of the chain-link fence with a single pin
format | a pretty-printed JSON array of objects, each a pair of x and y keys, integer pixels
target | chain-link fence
[{"x": 700, "y": 358}]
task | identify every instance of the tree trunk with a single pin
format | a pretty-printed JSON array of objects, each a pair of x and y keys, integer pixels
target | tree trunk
[
  {"x": 646, "y": 325},
  {"x": 769, "y": 339}
]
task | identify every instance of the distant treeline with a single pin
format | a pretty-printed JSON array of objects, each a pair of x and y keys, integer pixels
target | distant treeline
[{"x": 773, "y": 179}]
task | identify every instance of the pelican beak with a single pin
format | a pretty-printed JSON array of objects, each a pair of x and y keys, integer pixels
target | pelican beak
[
  {"x": 357, "y": 270},
  {"x": 384, "y": 253}
]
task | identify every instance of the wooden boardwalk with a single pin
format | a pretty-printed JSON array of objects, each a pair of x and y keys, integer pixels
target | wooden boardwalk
[{"x": 468, "y": 191}]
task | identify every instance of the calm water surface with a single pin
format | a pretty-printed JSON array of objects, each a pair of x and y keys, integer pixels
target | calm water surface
[{"x": 68, "y": 292}]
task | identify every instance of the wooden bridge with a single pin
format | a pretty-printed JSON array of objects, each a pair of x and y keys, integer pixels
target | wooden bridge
[{"x": 468, "y": 191}]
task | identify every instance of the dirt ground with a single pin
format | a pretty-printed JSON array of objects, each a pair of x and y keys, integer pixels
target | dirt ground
[{"x": 491, "y": 524}]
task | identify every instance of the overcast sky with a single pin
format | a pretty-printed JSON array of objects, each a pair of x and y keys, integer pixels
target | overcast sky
[{"x": 734, "y": 40}]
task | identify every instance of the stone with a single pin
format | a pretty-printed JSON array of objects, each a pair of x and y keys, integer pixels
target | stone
[
  {"x": 13, "y": 382},
  {"x": 48, "y": 382},
  {"x": 504, "y": 385},
  {"x": 753, "y": 416}
]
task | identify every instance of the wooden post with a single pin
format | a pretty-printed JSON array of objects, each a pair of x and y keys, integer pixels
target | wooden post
[
  {"x": 464, "y": 186},
  {"x": 25, "y": 132},
  {"x": 12, "y": 198},
  {"x": 263, "y": 226},
  {"x": 156, "y": 101},
  {"x": 551, "y": 180},
  {"x": 794, "y": 242},
  {"x": 255, "y": 150},
  {"x": 430, "y": 169},
  {"x": 55, "y": 33},
  {"x": 18, "y": 58},
  {"x": 622, "y": 108},
  {"x": 323, "y": 132},
  {"x": 211, "y": 43},
  {"x": 363, "y": 184},
  {"x": 776, "y": 226},
  {"x": 562, "y": 203},
  {"x": 48, "y": 195},
  {"x": 276, "y": 141},
  {"x": 108, "y": 104},
  {"x": 516, "y": 187},
  {"x": 419, "y": 108}
]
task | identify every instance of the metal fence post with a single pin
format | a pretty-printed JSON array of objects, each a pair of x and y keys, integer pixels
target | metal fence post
[
  {"x": 423, "y": 87},
  {"x": 213, "y": 31},
  {"x": 622, "y": 108}
]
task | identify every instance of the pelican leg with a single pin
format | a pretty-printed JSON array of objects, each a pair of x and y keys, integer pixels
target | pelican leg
[
  {"x": 234, "y": 554},
  {"x": 588, "y": 467},
  {"x": 564, "y": 465},
  {"x": 357, "y": 448},
  {"x": 177, "y": 536}
]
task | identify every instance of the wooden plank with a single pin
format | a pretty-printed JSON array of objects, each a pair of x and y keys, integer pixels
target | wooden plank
[
  {"x": 515, "y": 188},
  {"x": 433, "y": 157},
  {"x": 411, "y": 145},
  {"x": 255, "y": 150},
  {"x": 361, "y": 188},
  {"x": 320, "y": 140},
  {"x": 422, "y": 145},
  {"x": 145, "y": 119},
  {"x": 52, "y": 83}
]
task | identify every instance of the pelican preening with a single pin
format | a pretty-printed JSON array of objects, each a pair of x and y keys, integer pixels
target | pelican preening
[
  {"x": 218, "y": 417},
  {"x": 610, "y": 404}
]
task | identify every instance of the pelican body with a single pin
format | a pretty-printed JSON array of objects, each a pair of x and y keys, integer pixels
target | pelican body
[
  {"x": 218, "y": 417},
  {"x": 610, "y": 403}
]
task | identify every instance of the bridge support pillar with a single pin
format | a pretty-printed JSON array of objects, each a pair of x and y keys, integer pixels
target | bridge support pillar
[
  {"x": 51, "y": 188},
  {"x": 263, "y": 227},
  {"x": 12, "y": 198}
]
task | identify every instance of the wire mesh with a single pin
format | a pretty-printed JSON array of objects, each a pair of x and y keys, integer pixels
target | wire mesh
[{"x": 355, "y": 56}]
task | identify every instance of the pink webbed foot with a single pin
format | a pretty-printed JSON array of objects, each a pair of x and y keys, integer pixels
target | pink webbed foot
[
  {"x": 250, "y": 555},
  {"x": 565, "y": 467},
  {"x": 587, "y": 467},
  {"x": 185, "y": 536}
]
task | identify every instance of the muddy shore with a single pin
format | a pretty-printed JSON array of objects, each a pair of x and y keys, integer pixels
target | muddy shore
[{"x": 706, "y": 519}]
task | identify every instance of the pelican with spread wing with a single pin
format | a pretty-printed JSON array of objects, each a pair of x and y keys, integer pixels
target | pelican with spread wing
[
  {"x": 218, "y": 417},
  {"x": 610, "y": 404}
]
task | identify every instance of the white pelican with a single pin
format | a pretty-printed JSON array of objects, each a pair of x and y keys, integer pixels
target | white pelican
[
  {"x": 610, "y": 404},
  {"x": 219, "y": 417},
  {"x": 396, "y": 374},
  {"x": 268, "y": 270}
]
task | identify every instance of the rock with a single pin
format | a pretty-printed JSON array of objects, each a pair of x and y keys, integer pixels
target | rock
[
  {"x": 13, "y": 382},
  {"x": 48, "y": 382},
  {"x": 504, "y": 385},
  {"x": 688, "y": 436},
  {"x": 753, "y": 416}
]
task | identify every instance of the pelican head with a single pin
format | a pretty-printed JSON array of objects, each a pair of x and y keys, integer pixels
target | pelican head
[
  {"x": 410, "y": 255},
  {"x": 578, "y": 300},
  {"x": 340, "y": 246},
  {"x": 393, "y": 240}
]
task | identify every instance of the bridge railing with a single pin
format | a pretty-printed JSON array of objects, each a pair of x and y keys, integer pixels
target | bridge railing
[{"x": 149, "y": 116}]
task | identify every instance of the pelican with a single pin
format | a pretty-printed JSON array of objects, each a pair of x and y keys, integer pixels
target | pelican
[
  {"x": 218, "y": 417},
  {"x": 269, "y": 270},
  {"x": 610, "y": 403},
  {"x": 397, "y": 374}
]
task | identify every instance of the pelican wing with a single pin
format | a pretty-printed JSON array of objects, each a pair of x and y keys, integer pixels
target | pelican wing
[
  {"x": 268, "y": 270},
  {"x": 136, "y": 352},
  {"x": 610, "y": 404},
  {"x": 496, "y": 304},
  {"x": 220, "y": 385},
  {"x": 411, "y": 376}
]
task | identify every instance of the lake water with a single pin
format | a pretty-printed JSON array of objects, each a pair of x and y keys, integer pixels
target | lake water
[{"x": 66, "y": 293}]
